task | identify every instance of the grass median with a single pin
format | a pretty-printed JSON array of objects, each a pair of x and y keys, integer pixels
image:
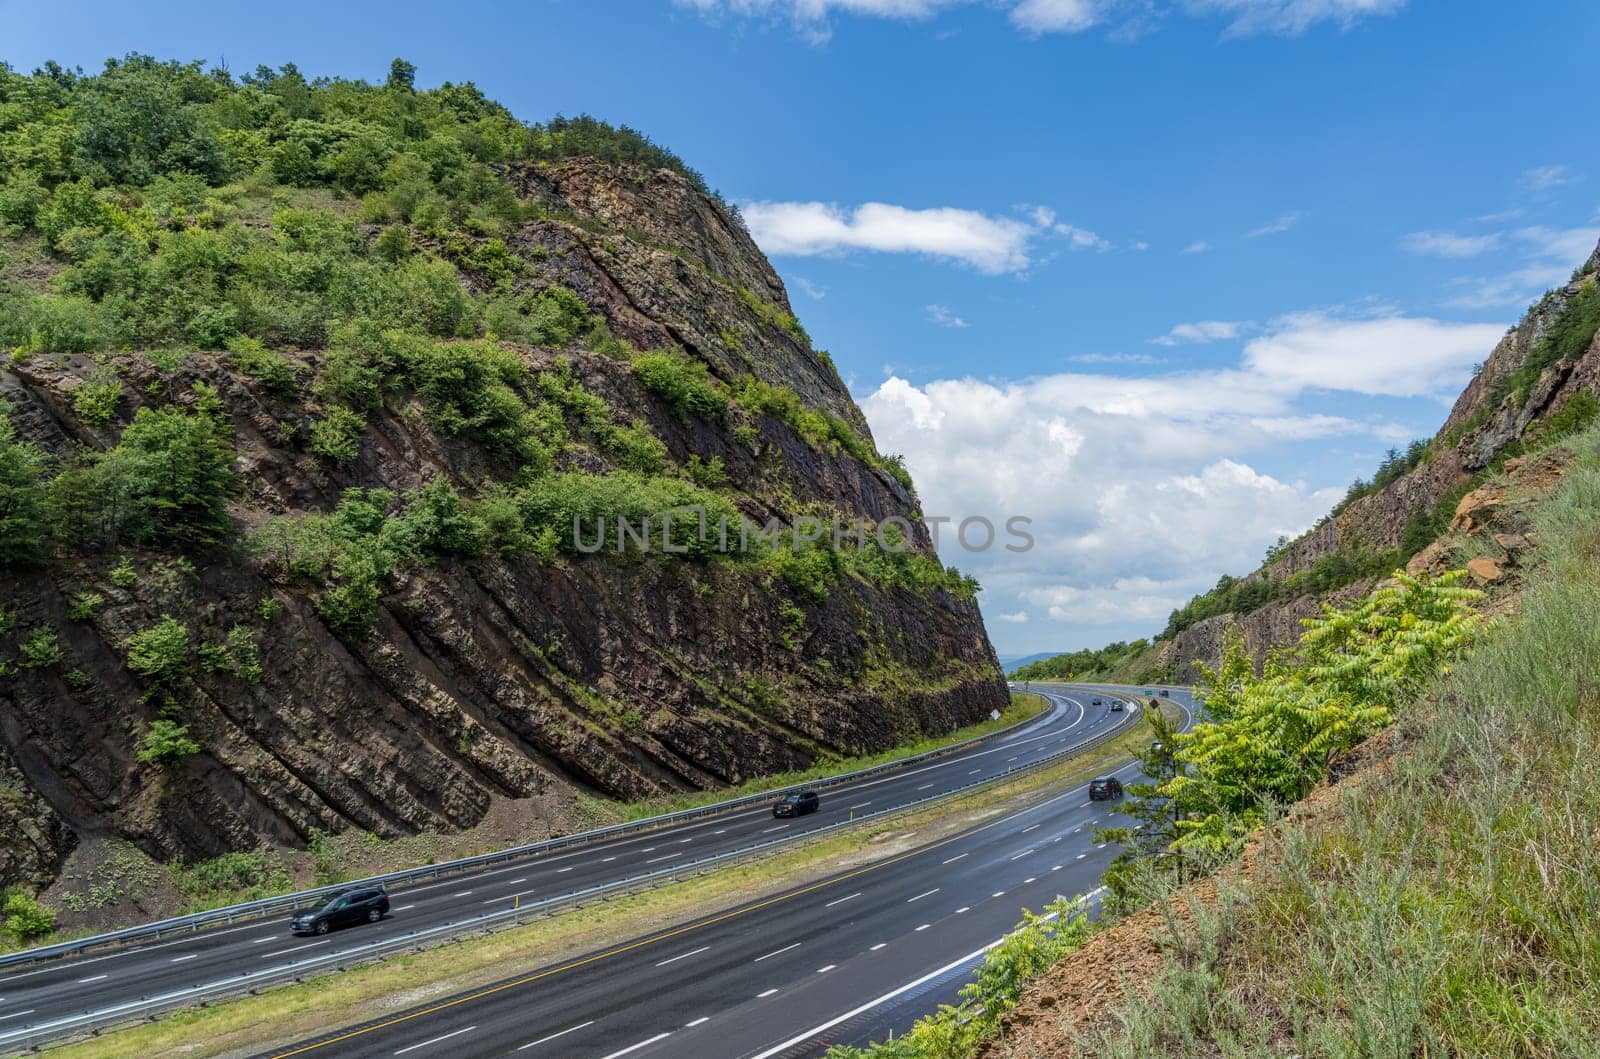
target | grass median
[{"x": 249, "y": 1024}]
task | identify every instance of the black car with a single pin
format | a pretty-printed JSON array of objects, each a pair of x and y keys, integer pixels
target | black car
[
  {"x": 1095, "y": 703},
  {"x": 1165, "y": 694},
  {"x": 797, "y": 804},
  {"x": 1102, "y": 788},
  {"x": 367, "y": 905},
  {"x": 1116, "y": 705}
]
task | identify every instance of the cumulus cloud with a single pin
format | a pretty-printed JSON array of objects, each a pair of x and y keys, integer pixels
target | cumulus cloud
[
  {"x": 941, "y": 315},
  {"x": 989, "y": 243},
  {"x": 804, "y": 229},
  {"x": 1015, "y": 618},
  {"x": 1198, "y": 332},
  {"x": 1394, "y": 356},
  {"x": 1142, "y": 488},
  {"x": 1449, "y": 244}
]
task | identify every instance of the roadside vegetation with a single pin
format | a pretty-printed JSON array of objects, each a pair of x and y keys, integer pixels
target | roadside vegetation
[
  {"x": 1088, "y": 664},
  {"x": 1445, "y": 903},
  {"x": 1266, "y": 741}
]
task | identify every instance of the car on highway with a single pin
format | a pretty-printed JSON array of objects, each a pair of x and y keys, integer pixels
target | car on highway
[
  {"x": 1116, "y": 705},
  {"x": 1096, "y": 702},
  {"x": 364, "y": 905},
  {"x": 1165, "y": 694},
  {"x": 1102, "y": 788},
  {"x": 797, "y": 804}
]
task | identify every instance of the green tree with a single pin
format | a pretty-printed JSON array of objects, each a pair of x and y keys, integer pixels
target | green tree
[
  {"x": 24, "y": 532},
  {"x": 402, "y": 75}
]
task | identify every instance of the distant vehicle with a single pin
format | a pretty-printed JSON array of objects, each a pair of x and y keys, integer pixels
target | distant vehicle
[
  {"x": 1096, "y": 702},
  {"x": 1116, "y": 705},
  {"x": 1165, "y": 694},
  {"x": 368, "y": 905},
  {"x": 797, "y": 804},
  {"x": 1103, "y": 788}
]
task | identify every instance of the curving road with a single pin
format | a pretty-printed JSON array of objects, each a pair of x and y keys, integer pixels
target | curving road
[
  {"x": 843, "y": 960},
  {"x": 67, "y": 995}
]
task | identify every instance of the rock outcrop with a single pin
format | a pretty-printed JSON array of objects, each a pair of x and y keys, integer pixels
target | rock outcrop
[
  {"x": 1491, "y": 416},
  {"x": 500, "y": 676}
]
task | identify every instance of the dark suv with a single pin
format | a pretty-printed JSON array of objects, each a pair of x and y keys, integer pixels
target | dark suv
[
  {"x": 1102, "y": 788},
  {"x": 1116, "y": 705},
  {"x": 353, "y": 906},
  {"x": 797, "y": 804},
  {"x": 1096, "y": 702}
]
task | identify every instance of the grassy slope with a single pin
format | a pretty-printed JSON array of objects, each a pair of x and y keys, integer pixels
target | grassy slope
[{"x": 1447, "y": 901}]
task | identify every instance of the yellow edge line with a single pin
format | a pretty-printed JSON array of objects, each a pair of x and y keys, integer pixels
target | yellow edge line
[{"x": 619, "y": 950}]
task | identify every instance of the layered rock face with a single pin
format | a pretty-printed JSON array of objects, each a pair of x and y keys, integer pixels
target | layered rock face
[
  {"x": 496, "y": 676},
  {"x": 1491, "y": 415}
]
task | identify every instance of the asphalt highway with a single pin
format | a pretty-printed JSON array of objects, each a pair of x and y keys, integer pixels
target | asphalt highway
[
  {"x": 837, "y": 961},
  {"x": 62, "y": 996}
]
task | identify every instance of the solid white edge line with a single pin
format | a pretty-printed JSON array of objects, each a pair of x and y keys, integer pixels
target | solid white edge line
[
  {"x": 553, "y": 1036},
  {"x": 763, "y": 996},
  {"x": 436, "y": 1040},
  {"x": 697, "y": 1022},
  {"x": 885, "y": 998}
]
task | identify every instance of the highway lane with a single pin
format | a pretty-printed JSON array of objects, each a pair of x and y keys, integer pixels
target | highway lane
[
  {"x": 55, "y": 997},
  {"x": 782, "y": 976}
]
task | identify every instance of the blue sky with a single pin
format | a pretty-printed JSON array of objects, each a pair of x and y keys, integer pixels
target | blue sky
[{"x": 1162, "y": 275}]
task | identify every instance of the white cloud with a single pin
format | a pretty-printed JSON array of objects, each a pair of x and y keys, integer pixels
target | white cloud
[
  {"x": 1449, "y": 244},
  {"x": 1282, "y": 223},
  {"x": 1541, "y": 179},
  {"x": 1290, "y": 18},
  {"x": 811, "y": 290},
  {"x": 988, "y": 243},
  {"x": 1545, "y": 258},
  {"x": 1116, "y": 358},
  {"x": 1125, "y": 19},
  {"x": 1143, "y": 488},
  {"x": 1016, "y": 618},
  {"x": 1200, "y": 331},
  {"x": 1199, "y": 246},
  {"x": 802, "y": 229},
  {"x": 941, "y": 315},
  {"x": 1082, "y": 238},
  {"x": 1394, "y": 356},
  {"x": 1056, "y": 16}
]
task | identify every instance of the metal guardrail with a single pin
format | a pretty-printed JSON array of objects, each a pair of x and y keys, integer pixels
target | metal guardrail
[
  {"x": 134, "y": 1011},
  {"x": 266, "y": 906}
]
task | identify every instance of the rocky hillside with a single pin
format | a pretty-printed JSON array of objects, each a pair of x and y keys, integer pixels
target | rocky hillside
[
  {"x": 309, "y": 384},
  {"x": 1539, "y": 383}
]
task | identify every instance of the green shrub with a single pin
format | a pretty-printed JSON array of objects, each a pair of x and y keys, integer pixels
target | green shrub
[
  {"x": 96, "y": 401},
  {"x": 26, "y": 919},
  {"x": 337, "y": 435},
  {"x": 41, "y": 649},
  {"x": 160, "y": 653},
  {"x": 684, "y": 385},
  {"x": 166, "y": 742},
  {"x": 272, "y": 369},
  {"x": 84, "y": 605},
  {"x": 123, "y": 575}
]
